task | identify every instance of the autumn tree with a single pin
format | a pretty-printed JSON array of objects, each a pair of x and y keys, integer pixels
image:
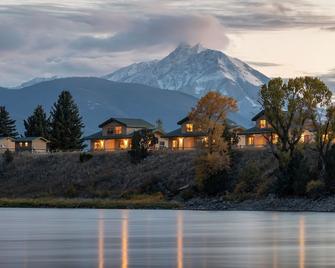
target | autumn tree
[
  {"x": 209, "y": 116},
  {"x": 37, "y": 125},
  {"x": 7, "y": 125}
]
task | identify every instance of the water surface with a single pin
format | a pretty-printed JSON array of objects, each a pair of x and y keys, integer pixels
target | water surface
[{"x": 156, "y": 238}]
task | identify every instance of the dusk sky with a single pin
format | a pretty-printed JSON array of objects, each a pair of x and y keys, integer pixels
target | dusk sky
[{"x": 86, "y": 37}]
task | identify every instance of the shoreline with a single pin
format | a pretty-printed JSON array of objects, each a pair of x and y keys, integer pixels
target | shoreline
[{"x": 270, "y": 204}]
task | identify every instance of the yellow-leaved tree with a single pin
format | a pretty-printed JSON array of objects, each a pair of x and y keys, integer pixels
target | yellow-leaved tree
[{"x": 210, "y": 117}]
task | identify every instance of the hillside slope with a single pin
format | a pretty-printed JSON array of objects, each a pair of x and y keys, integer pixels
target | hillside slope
[{"x": 99, "y": 99}]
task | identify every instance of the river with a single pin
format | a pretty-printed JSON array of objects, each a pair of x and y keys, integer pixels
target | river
[{"x": 164, "y": 238}]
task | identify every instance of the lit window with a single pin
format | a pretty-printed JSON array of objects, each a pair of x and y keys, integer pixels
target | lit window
[
  {"x": 118, "y": 130},
  {"x": 181, "y": 142},
  {"x": 21, "y": 144},
  {"x": 124, "y": 144},
  {"x": 174, "y": 144},
  {"x": 26, "y": 144},
  {"x": 251, "y": 140},
  {"x": 189, "y": 127},
  {"x": 99, "y": 145},
  {"x": 325, "y": 137},
  {"x": 275, "y": 138},
  {"x": 262, "y": 123}
]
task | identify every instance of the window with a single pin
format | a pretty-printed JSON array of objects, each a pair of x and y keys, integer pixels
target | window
[
  {"x": 118, "y": 130},
  {"x": 262, "y": 123},
  {"x": 124, "y": 144},
  {"x": 275, "y": 139},
  {"x": 110, "y": 131},
  {"x": 21, "y": 144},
  {"x": 189, "y": 127},
  {"x": 99, "y": 145},
  {"x": 26, "y": 144},
  {"x": 161, "y": 144},
  {"x": 251, "y": 140},
  {"x": 174, "y": 144}
]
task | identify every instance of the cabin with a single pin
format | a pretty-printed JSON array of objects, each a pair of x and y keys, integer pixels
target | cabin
[
  {"x": 189, "y": 137},
  {"x": 7, "y": 143},
  {"x": 32, "y": 145},
  {"x": 186, "y": 137},
  {"x": 262, "y": 133},
  {"x": 116, "y": 134}
]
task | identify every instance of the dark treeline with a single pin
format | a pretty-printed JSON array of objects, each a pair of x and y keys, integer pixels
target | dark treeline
[{"x": 63, "y": 127}]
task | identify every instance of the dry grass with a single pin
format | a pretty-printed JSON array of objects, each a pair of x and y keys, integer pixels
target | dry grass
[
  {"x": 143, "y": 202},
  {"x": 106, "y": 175}
]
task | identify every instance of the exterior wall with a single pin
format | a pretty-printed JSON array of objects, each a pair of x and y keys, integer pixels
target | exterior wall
[
  {"x": 130, "y": 130},
  {"x": 241, "y": 141},
  {"x": 183, "y": 127},
  {"x": 186, "y": 143},
  {"x": 7, "y": 143},
  {"x": 110, "y": 145},
  {"x": 111, "y": 126},
  {"x": 39, "y": 146},
  {"x": 258, "y": 122},
  {"x": 23, "y": 146}
]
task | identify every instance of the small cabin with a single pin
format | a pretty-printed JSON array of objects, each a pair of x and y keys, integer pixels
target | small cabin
[
  {"x": 32, "y": 144},
  {"x": 7, "y": 143},
  {"x": 116, "y": 134}
]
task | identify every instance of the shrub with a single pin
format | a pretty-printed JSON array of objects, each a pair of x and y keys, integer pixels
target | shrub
[
  {"x": 211, "y": 173},
  {"x": 330, "y": 169},
  {"x": 84, "y": 157},
  {"x": 294, "y": 176},
  {"x": 315, "y": 188},
  {"x": 8, "y": 156}
]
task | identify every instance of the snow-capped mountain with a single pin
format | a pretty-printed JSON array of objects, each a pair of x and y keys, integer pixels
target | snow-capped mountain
[
  {"x": 35, "y": 81},
  {"x": 196, "y": 70}
]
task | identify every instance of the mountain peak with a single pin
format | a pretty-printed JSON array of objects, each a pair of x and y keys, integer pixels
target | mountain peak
[{"x": 183, "y": 48}]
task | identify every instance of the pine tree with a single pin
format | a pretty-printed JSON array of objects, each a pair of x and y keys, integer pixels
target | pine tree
[
  {"x": 66, "y": 124},
  {"x": 37, "y": 125},
  {"x": 7, "y": 125}
]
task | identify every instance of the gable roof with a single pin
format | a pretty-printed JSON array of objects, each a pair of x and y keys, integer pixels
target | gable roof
[
  {"x": 100, "y": 136},
  {"x": 24, "y": 139},
  {"x": 6, "y": 138},
  {"x": 230, "y": 122},
  {"x": 178, "y": 133},
  {"x": 260, "y": 114},
  {"x": 256, "y": 130},
  {"x": 128, "y": 122}
]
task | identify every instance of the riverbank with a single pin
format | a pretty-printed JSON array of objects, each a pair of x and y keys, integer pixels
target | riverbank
[
  {"x": 270, "y": 203},
  {"x": 144, "y": 202},
  {"x": 156, "y": 202}
]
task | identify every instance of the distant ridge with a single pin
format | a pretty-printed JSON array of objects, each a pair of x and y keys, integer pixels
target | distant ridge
[{"x": 99, "y": 99}]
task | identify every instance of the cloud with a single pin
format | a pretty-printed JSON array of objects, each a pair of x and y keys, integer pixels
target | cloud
[
  {"x": 159, "y": 30},
  {"x": 263, "y": 64}
]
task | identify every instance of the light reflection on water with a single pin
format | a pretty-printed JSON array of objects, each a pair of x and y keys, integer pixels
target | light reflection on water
[{"x": 143, "y": 238}]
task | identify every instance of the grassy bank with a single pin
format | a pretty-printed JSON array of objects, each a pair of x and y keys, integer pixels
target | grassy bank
[{"x": 139, "y": 202}]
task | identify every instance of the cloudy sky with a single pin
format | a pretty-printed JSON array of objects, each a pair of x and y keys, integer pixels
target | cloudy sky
[{"x": 94, "y": 37}]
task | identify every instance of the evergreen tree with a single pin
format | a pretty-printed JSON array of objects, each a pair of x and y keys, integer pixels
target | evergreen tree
[
  {"x": 7, "y": 125},
  {"x": 66, "y": 124},
  {"x": 37, "y": 125}
]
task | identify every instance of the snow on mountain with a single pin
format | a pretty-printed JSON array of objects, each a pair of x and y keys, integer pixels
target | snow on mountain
[
  {"x": 35, "y": 81},
  {"x": 196, "y": 70}
]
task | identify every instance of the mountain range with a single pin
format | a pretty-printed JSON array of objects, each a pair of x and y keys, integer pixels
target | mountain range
[
  {"x": 195, "y": 70},
  {"x": 165, "y": 89},
  {"x": 98, "y": 99}
]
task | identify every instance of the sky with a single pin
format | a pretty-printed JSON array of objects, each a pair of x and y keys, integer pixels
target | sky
[{"x": 284, "y": 38}]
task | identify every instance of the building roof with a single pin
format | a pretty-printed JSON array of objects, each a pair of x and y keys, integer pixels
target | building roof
[
  {"x": 256, "y": 130},
  {"x": 179, "y": 133},
  {"x": 128, "y": 122},
  {"x": 99, "y": 136},
  {"x": 24, "y": 139},
  {"x": 230, "y": 122},
  {"x": 5, "y": 138},
  {"x": 260, "y": 114}
]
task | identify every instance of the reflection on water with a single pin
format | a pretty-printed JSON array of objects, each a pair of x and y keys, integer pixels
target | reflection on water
[
  {"x": 124, "y": 238},
  {"x": 302, "y": 242},
  {"x": 101, "y": 243},
  {"x": 142, "y": 238},
  {"x": 180, "y": 239}
]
